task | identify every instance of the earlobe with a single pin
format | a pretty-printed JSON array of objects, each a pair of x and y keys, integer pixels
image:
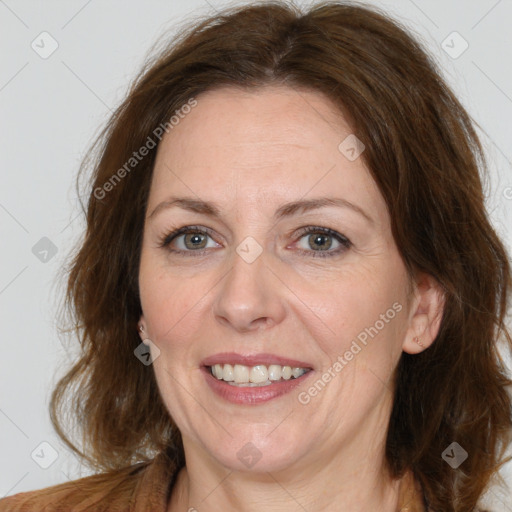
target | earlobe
[
  {"x": 415, "y": 346},
  {"x": 426, "y": 319},
  {"x": 141, "y": 329}
]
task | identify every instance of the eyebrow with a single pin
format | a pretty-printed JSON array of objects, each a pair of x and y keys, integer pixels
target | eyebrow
[{"x": 286, "y": 210}]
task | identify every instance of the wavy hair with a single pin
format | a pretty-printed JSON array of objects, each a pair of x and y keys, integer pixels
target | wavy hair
[{"x": 424, "y": 154}]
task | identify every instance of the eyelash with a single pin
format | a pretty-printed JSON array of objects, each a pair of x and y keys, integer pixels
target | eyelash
[{"x": 345, "y": 243}]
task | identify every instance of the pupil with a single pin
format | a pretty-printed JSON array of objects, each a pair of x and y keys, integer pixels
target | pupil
[
  {"x": 318, "y": 239},
  {"x": 193, "y": 239}
]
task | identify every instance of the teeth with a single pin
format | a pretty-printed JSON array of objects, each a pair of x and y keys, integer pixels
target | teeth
[
  {"x": 241, "y": 373},
  {"x": 274, "y": 372},
  {"x": 296, "y": 372},
  {"x": 217, "y": 371},
  {"x": 259, "y": 375},
  {"x": 228, "y": 374}
]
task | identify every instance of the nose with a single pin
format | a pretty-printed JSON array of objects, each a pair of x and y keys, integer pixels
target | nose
[{"x": 250, "y": 297}]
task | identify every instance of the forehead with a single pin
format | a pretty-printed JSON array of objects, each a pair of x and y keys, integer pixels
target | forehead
[
  {"x": 270, "y": 144},
  {"x": 242, "y": 121}
]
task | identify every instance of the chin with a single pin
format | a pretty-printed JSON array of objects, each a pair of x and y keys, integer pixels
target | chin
[{"x": 256, "y": 452}]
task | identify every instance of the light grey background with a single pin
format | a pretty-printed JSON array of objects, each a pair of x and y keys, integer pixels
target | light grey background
[{"x": 50, "y": 109}]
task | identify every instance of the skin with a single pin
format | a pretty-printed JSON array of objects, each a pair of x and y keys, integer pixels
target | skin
[{"x": 250, "y": 152}]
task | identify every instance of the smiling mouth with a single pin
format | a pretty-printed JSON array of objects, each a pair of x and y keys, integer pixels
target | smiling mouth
[{"x": 255, "y": 376}]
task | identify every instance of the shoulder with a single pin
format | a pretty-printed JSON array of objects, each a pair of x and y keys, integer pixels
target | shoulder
[
  {"x": 106, "y": 491},
  {"x": 118, "y": 491}
]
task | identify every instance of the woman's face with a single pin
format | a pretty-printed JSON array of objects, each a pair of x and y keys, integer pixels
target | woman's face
[{"x": 249, "y": 289}]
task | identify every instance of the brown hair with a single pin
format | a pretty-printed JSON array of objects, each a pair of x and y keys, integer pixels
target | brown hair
[{"x": 423, "y": 153}]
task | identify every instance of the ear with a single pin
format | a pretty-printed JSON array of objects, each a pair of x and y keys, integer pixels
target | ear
[
  {"x": 141, "y": 328},
  {"x": 426, "y": 313}
]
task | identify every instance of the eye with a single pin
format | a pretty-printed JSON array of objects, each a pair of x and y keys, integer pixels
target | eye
[
  {"x": 188, "y": 239},
  {"x": 321, "y": 240},
  {"x": 193, "y": 241}
]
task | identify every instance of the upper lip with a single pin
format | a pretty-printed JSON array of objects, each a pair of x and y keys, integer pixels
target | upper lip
[{"x": 253, "y": 360}]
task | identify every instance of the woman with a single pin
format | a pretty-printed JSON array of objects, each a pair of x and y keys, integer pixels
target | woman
[{"x": 289, "y": 295}]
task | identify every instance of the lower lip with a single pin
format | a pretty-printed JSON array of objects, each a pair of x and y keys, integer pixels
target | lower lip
[{"x": 252, "y": 395}]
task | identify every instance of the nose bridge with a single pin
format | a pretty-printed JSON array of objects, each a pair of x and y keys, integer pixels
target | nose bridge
[{"x": 249, "y": 295}]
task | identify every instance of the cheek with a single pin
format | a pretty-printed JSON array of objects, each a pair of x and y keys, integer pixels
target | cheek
[
  {"x": 364, "y": 316},
  {"x": 171, "y": 305}
]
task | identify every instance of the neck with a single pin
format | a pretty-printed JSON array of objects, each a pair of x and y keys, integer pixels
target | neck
[
  {"x": 347, "y": 481},
  {"x": 275, "y": 492}
]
